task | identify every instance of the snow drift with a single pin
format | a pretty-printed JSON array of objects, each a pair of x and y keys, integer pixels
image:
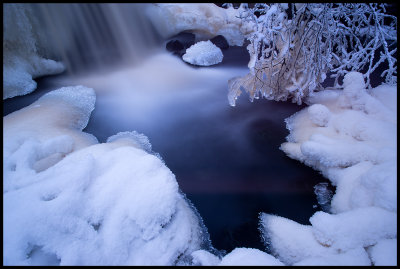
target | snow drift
[
  {"x": 350, "y": 136},
  {"x": 71, "y": 201}
]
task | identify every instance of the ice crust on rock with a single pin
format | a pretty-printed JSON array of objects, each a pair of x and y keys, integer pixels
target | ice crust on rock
[
  {"x": 138, "y": 140},
  {"x": 89, "y": 204},
  {"x": 41, "y": 134},
  {"x": 203, "y": 53},
  {"x": 354, "y": 146},
  {"x": 21, "y": 61},
  {"x": 206, "y": 20}
]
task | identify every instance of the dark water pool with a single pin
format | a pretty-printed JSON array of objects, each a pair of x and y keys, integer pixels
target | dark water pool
[{"x": 226, "y": 159}]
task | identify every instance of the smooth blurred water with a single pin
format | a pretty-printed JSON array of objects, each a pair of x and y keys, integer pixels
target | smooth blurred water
[{"x": 226, "y": 159}]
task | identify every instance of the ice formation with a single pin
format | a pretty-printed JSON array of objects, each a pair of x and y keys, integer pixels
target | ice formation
[
  {"x": 324, "y": 196},
  {"x": 21, "y": 60},
  {"x": 203, "y": 53},
  {"x": 69, "y": 200},
  {"x": 350, "y": 136},
  {"x": 206, "y": 20}
]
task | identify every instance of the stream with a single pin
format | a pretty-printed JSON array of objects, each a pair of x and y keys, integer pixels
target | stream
[{"x": 226, "y": 159}]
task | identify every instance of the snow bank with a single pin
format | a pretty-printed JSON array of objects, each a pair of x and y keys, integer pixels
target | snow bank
[
  {"x": 249, "y": 257},
  {"x": 204, "y": 19},
  {"x": 89, "y": 204},
  {"x": 41, "y": 134},
  {"x": 204, "y": 258},
  {"x": 354, "y": 257},
  {"x": 359, "y": 227},
  {"x": 384, "y": 253},
  {"x": 203, "y": 53},
  {"x": 21, "y": 61},
  {"x": 290, "y": 241},
  {"x": 350, "y": 136}
]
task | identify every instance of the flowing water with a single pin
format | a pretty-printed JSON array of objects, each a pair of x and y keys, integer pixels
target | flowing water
[{"x": 226, "y": 159}]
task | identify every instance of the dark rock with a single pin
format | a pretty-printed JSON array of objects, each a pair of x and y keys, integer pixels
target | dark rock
[
  {"x": 187, "y": 39},
  {"x": 180, "y": 42},
  {"x": 220, "y": 42},
  {"x": 174, "y": 46},
  {"x": 179, "y": 53}
]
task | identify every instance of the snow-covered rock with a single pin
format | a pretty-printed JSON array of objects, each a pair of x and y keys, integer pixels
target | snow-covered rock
[
  {"x": 361, "y": 227},
  {"x": 290, "y": 241},
  {"x": 356, "y": 151},
  {"x": 206, "y": 20},
  {"x": 203, "y": 53},
  {"x": 204, "y": 258},
  {"x": 249, "y": 257},
  {"x": 21, "y": 61},
  {"x": 319, "y": 114},
  {"x": 112, "y": 203},
  {"x": 354, "y": 257},
  {"x": 384, "y": 253}
]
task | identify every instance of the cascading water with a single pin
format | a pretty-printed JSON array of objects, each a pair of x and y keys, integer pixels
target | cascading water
[{"x": 95, "y": 35}]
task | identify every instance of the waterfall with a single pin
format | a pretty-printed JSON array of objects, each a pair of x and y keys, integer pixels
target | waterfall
[{"x": 92, "y": 36}]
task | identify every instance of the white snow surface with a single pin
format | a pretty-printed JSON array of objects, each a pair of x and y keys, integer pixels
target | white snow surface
[
  {"x": 384, "y": 253},
  {"x": 204, "y": 258},
  {"x": 350, "y": 136},
  {"x": 89, "y": 203},
  {"x": 21, "y": 61},
  {"x": 203, "y": 53},
  {"x": 206, "y": 20},
  {"x": 249, "y": 257},
  {"x": 354, "y": 257},
  {"x": 319, "y": 114}
]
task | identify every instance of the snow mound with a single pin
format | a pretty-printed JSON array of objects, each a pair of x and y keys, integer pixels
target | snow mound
[
  {"x": 360, "y": 227},
  {"x": 349, "y": 136},
  {"x": 21, "y": 61},
  {"x": 206, "y": 20},
  {"x": 354, "y": 257},
  {"x": 290, "y": 241},
  {"x": 319, "y": 114},
  {"x": 384, "y": 253},
  {"x": 356, "y": 150},
  {"x": 41, "y": 134},
  {"x": 249, "y": 257},
  {"x": 89, "y": 204},
  {"x": 204, "y": 258},
  {"x": 203, "y": 53}
]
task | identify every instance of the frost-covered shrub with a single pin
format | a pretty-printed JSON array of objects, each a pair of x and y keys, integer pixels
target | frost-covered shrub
[
  {"x": 21, "y": 60},
  {"x": 293, "y": 47}
]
